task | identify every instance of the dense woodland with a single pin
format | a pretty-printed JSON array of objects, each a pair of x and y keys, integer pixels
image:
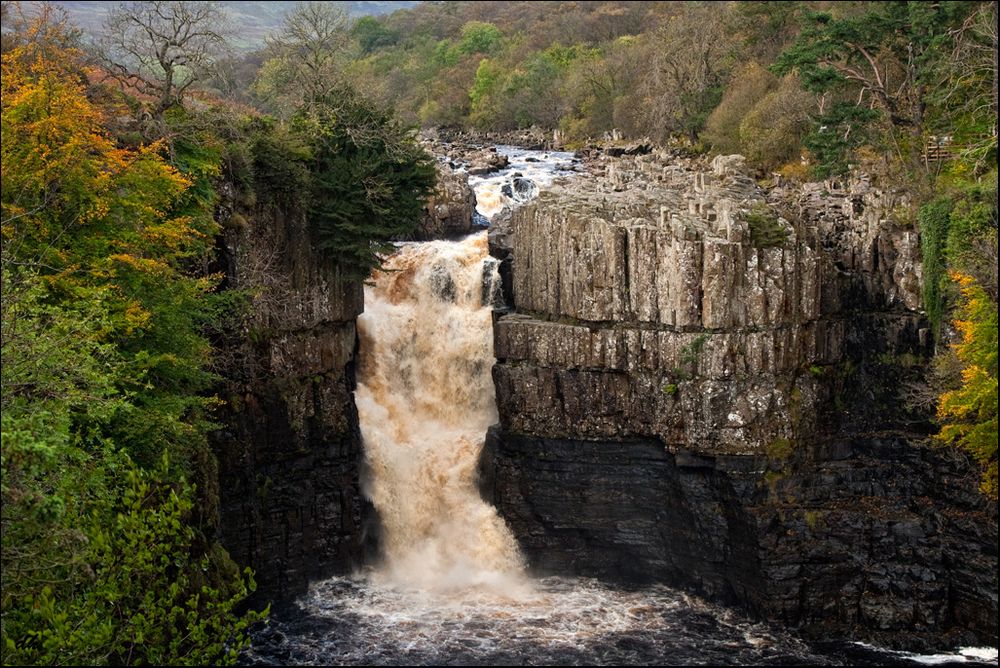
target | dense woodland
[{"x": 115, "y": 148}]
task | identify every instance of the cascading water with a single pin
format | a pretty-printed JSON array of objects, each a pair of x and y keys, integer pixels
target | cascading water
[
  {"x": 451, "y": 587},
  {"x": 425, "y": 398}
]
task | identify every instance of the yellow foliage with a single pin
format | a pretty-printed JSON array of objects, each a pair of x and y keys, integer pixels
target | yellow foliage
[{"x": 969, "y": 413}]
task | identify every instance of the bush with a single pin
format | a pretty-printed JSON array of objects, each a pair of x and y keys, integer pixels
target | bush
[
  {"x": 749, "y": 86},
  {"x": 368, "y": 177},
  {"x": 766, "y": 231},
  {"x": 771, "y": 133},
  {"x": 133, "y": 590},
  {"x": 934, "y": 218},
  {"x": 969, "y": 413}
]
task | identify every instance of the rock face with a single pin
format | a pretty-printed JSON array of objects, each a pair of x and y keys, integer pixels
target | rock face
[
  {"x": 289, "y": 450},
  {"x": 449, "y": 211},
  {"x": 698, "y": 384}
]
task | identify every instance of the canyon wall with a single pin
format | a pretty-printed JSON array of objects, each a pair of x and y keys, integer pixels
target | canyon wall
[
  {"x": 289, "y": 448},
  {"x": 699, "y": 384}
]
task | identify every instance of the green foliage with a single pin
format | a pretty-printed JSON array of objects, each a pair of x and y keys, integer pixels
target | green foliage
[
  {"x": 766, "y": 231},
  {"x": 835, "y": 135},
  {"x": 850, "y": 59},
  {"x": 368, "y": 179},
  {"x": 372, "y": 34},
  {"x": 934, "y": 218},
  {"x": 279, "y": 158},
  {"x": 771, "y": 133},
  {"x": 973, "y": 218},
  {"x": 488, "y": 77},
  {"x": 479, "y": 37},
  {"x": 105, "y": 371},
  {"x": 780, "y": 449},
  {"x": 131, "y": 594},
  {"x": 750, "y": 85}
]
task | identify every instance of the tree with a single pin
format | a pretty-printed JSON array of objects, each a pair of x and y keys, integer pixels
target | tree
[
  {"x": 372, "y": 34},
  {"x": 749, "y": 86},
  {"x": 162, "y": 48},
  {"x": 369, "y": 178},
  {"x": 966, "y": 88},
  {"x": 687, "y": 62},
  {"x": 771, "y": 133},
  {"x": 308, "y": 56},
  {"x": 105, "y": 369},
  {"x": 969, "y": 413},
  {"x": 880, "y": 61}
]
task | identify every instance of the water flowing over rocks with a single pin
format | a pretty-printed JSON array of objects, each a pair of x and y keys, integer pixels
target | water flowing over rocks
[
  {"x": 425, "y": 400},
  {"x": 698, "y": 384}
]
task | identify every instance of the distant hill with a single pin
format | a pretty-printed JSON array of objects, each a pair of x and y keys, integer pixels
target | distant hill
[{"x": 252, "y": 21}]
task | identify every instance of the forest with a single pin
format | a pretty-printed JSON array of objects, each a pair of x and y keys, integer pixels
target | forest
[{"x": 117, "y": 147}]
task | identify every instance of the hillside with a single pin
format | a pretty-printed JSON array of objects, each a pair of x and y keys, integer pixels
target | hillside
[{"x": 251, "y": 21}]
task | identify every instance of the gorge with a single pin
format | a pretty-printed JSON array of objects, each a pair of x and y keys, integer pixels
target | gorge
[
  {"x": 499, "y": 333},
  {"x": 678, "y": 403}
]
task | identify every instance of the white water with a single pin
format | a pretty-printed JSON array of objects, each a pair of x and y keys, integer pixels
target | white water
[
  {"x": 425, "y": 398},
  {"x": 540, "y": 167}
]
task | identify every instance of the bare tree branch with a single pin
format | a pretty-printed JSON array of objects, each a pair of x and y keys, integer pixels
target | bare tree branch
[{"x": 162, "y": 48}]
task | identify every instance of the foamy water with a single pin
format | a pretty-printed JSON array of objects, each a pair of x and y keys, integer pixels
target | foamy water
[
  {"x": 425, "y": 398},
  {"x": 540, "y": 167}
]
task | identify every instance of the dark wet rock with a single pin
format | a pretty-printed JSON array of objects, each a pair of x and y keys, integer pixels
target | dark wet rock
[
  {"x": 519, "y": 189},
  {"x": 449, "y": 211},
  {"x": 501, "y": 245},
  {"x": 888, "y": 552},
  {"x": 442, "y": 284},
  {"x": 289, "y": 449},
  {"x": 641, "y": 148}
]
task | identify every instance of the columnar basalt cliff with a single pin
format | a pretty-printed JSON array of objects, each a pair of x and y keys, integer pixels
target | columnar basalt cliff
[
  {"x": 698, "y": 384},
  {"x": 290, "y": 447}
]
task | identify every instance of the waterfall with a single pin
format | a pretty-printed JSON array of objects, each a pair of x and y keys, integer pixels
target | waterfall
[{"x": 425, "y": 398}]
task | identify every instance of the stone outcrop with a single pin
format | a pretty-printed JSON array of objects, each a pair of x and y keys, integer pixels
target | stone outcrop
[
  {"x": 289, "y": 450},
  {"x": 647, "y": 306},
  {"x": 697, "y": 383},
  {"x": 532, "y": 138},
  {"x": 450, "y": 210}
]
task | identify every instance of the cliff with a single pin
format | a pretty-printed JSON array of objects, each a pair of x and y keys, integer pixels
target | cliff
[
  {"x": 290, "y": 448},
  {"x": 698, "y": 385}
]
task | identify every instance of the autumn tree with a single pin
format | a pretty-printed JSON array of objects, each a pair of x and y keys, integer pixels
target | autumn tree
[
  {"x": 688, "y": 61},
  {"x": 162, "y": 48},
  {"x": 106, "y": 557},
  {"x": 969, "y": 413}
]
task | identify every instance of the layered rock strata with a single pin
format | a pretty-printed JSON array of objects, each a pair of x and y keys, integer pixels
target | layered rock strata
[
  {"x": 698, "y": 385},
  {"x": 289, "y": 450}
]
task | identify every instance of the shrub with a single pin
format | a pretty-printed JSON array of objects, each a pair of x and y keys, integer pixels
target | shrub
[
  {"x": 771, "y": 133},
  {"x": 969, "y": 413},
  {"x": 368, "y": 179},
  {"x": 766, "y": 231}
]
